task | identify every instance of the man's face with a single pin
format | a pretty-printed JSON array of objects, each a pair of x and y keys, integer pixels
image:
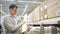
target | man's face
[{"x": 13, "y": 11}]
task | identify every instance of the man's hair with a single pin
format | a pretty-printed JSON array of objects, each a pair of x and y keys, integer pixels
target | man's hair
[{"x": 12, "y": 6}]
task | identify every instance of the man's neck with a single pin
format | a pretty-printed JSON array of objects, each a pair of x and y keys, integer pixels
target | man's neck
[{"x": 11, "y": 15}]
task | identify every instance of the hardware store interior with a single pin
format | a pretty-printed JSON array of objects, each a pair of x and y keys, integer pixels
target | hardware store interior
[{"x": 37, "y": 16}]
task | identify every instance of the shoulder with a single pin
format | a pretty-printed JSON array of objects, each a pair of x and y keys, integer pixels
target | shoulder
[{"x": 6, "y": 17}]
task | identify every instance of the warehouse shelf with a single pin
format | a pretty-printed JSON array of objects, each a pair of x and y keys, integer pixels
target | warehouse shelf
[
  {"x": 51, "y": 22},
  {"x": 47, "y": 21}
]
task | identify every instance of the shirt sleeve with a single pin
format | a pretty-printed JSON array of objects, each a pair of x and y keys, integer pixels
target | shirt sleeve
[{"x": 9, "y": 25}]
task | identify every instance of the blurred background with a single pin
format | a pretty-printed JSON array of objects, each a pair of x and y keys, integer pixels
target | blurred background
[{"x": 34, "y": 13}]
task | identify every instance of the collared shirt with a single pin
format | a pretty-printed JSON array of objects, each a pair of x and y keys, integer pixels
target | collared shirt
[{"x": 11, "y": 26}]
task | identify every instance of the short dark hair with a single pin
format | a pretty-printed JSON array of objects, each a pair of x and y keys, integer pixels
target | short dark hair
[{"x": 12, "y": 6}]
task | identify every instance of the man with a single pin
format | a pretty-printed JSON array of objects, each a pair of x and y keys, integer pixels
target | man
[{"x": 10, "y": 24}]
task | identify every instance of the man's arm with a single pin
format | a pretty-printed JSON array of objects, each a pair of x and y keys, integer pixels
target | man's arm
[
  {"x": 10, "y": 26},
  {"x": 20, "y": 24}
]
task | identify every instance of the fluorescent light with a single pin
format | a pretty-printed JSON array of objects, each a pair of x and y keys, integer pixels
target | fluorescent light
[
  {"x": 45, "y": 7},
  {"x": 1, "y": 10},
  {"x": 41, "y": 9},
  {"x": 25, "y": 9},
  {"x": 29, "y": 1},
  {"x": 46, "y": 16},
  {"x": 8, "y": 0}
]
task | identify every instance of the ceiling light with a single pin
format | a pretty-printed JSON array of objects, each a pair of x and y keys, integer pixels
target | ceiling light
[
  {"x": 41, "y": 9},
  {"x": 45, "y": 7},
  {"x": 29, "y": 1},
  {"x": 8, "y": 0}
]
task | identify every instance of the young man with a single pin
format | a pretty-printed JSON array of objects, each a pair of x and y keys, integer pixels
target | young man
[{"x": 10, "y": 24}]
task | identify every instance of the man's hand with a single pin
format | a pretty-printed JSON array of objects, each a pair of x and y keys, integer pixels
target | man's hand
[
  {"x": 23, "y": 22},
  {"x": 20, "y": 24}
]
